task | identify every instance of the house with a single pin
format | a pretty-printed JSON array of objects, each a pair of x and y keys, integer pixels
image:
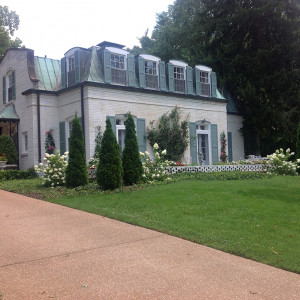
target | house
[{"x": 39, "y": 94}]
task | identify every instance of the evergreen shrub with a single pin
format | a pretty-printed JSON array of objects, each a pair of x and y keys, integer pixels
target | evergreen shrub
[
  {"x": 8, "y": 147},
  {"x": 297, "y": 156},
  {"x": 76, "y": 172},
  {"x": 109, "y": 171},
  {"x": 131, "y": 161}
]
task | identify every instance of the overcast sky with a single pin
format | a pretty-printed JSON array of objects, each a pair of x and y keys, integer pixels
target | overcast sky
[{"x": 53, "y": 27}]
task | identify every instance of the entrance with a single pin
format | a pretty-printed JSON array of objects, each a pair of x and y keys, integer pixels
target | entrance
[{"x": 203, "y": 149}]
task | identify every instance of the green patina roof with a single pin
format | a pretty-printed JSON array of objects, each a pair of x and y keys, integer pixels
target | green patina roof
[
  {"x": 9, "y": 114},
  {"x": 92, "y": 70},
  {"x": 231, "y": 104},
  {"x": 48, "y": 73}
]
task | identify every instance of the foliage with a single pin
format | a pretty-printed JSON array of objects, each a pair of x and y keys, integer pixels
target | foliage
[
  {"x": 298, "y": 143},
  {"x": 53, "y": 171},
  {"x": 154, "y": 170},
  {"x": 98, "y": 140},
  {"x": 131, "y": 161},
  {"x": 8, "y": 147},
  {"x": 93, "y": 163},
  {"x": 3, "y": 157},
  {"x": 223, "y": 155},
  {"x": 109, "y": 171},
  {"x": 49, "y": 142},
  {"x": 254, "y": 48},
  {"x": 171, "y": 133},
  {"x": 17, "y": 174},
  {"x": 279, "y": 163},
  {"x": 76, "y": 173},
  {"x": 9, "y": 22}
]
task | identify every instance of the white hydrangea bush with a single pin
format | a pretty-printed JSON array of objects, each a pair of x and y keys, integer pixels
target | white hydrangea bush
[
  {"x": 280, "y": 164},
  {"x": 53, "y": 169},
  {"x": 154, "y": 169}
]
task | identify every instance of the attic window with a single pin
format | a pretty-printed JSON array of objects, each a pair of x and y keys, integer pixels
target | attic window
[
  {"x": 118, "y": 73},
  {"x": 179, "y": 79},
  {"x": 151, "y": 74},
  {"x": 205, "y": 84},
  {"x": 117, "y": 61},
  {"x": 71, "y": 63}
]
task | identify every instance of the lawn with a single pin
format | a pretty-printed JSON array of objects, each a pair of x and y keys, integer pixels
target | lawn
[{"x": 258, "y": 219}]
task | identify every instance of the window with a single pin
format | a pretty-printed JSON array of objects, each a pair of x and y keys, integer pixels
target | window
[
  {"x": 179, "y": 82},
  {"x": 71, "y": 64},
  {"x": 24, "y": 142},
  {"x": 9, "y": 87},
  {"x": 118, "y": 73},
  {"x": 71, "y": 70},
  {"x": 204, "y": 82},
  {"x": 151, "y": 74}
]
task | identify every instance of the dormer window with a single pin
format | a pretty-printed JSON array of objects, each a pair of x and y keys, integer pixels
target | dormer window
[
  {"x": 71, "y": 70},
  {"x": 118, "y": 72},
  {"x": 151, "y": 74},
  {"x": 203, "y": 81},
  {"x": 71, "y": 63},
  {"x": 179, "y": 79},
  {"x": 9, "y": 87},
  {"x": 205, "y": 84}
]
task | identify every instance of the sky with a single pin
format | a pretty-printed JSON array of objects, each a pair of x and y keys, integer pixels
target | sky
[{"x": 53, "y": 27}]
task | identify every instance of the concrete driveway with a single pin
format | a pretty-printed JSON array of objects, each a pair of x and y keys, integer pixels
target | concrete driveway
[{"x": 49, "y": 251}]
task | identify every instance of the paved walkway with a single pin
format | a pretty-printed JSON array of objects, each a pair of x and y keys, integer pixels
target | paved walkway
[{"x": 49, "y": 251}]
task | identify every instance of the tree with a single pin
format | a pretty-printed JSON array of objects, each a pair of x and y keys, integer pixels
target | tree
[
  {"x": 170, "y": 133},
  {"x": 298, "y": 143},
  {"x": 254, "y": 48},
  {"x": 76, "y": 172},
  {"x": 8, "y": 148},
  {"x": 9, "y": 23},
  {"x": 131, "y": 160},
  {"x": 109, "y": 171}
]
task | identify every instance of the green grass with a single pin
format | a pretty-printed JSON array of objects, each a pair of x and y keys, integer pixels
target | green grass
[{"x": 257, "y": 219}]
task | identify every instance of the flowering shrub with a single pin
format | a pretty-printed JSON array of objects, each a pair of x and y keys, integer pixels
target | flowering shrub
[
  {"x": 3, "y": 157},
  {"x": 49, "y": 142},
  {"x": 279, "y": 163},
  {"x": 175, "y": 164},
  {"x": 93, "y": 163},
  {"x": 54, "y": 168},
  {"x": 223, "y": 155},
  {"x": 154, "y": 170}
]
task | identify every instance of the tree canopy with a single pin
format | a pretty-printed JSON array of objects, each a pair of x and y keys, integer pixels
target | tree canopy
[
  {"x": 253, "y": 45},
  {"x": 9, "y": 23}
]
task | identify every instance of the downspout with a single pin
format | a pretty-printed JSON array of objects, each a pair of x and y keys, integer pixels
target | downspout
[
  {"x": 82, "y": 112},
  {"x": 39, "y": 124}
]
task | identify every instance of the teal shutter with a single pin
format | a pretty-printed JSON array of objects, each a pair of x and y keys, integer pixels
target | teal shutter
[
  {"x": 230, "y": 146},
  {"x": 170, "y": 67},
  {"x": 141, "y": 64},
  {"x": 107, "y": 66},
  {"x": 141, "y": 134},
  {"x": 63, "y": 72},
  {"x": 113, "y": 122},
  {"x": 77, "y": 66},
  {"x": 189, "y": 80},
  {"x": 193, "y": 142},
  {"x": 131, "y": 71},
  {"x": 213, "y": 80},
  {"x": 62, "y": 137},
  {"x": 4, "y": 89},
  {"x": 162, "y": 76},
  {"x": 214, "y": 143},
  {"x": 13, "y": 85},
  {"x": 197, "y": 81}
]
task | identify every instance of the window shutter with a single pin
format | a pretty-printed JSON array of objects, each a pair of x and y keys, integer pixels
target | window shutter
[
  {"x": 107, "y": 66},
  {"x": 113, "y": 122},
  {"x": 162, "y": 76},
  {"x": 197, "y": 81},
  {"x": 214, "y": 143},
  {"x": 170, "y": 76},
  {"x": 213, "y": 80},
  {"x": 229, "y": 146},
  {"x": 193, "y": 142},
  {"x": 63, "y": 73},
  {"x": 4, "y": 89},
  {"x": 142, "y": 80},
  {"x": 13, "y": 85},
  {"x": 77, "y": 66},
  {"x": 62, "y": 137},
  {"x": 141, "y": 134},
  {"x": 131, "y": 70},
  {"x": 189, "y": 80}
]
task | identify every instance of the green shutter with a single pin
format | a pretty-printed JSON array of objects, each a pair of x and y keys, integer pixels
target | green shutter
[
  {"x": 170, "y": 67},
  {"x": 62, "y": 137},
  {"x": 63, "y": 72},
  {"x": 230, "y": 146},
  {"x": 107, "y": 66},
  {"x": 214, "y": 143},
  {"x": 13, "y": 85},
  {"x": 189, "y": 80},
  {"x": 197, "y": 81},
  {"x": 4, "y": 89},
  {"x": 193, "y": 142},
  {"x": 77, "y": 66},
  {"x": 142, "y": 80},
  {"x": 162, "y": 76},
  {"x": 113, "y": 123},
  {"x": 131, "y": 70},
  {"x": 213, "y": 80},
  {"x": 141, "y": 134}
]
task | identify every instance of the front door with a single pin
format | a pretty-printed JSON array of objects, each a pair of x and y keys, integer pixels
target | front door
[{"x": 203, "y": 149}]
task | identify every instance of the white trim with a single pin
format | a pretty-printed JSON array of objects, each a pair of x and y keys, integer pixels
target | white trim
[
  {"x": 117, "y": 51},
  {"x": 25, "y": 142},
  {"x": 150, "y": 57},
  {"x": 178, "y": 63},
  {"x": 203, "y": 68},
  {"x": 208, "y": 132}
]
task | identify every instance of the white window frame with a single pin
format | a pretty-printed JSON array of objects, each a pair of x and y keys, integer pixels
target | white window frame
[
  {"x": 71, "y": 63},
  {"x": 206, "y": 131},
  {"x": 205, "y": 70},
  {"x": 115, "y": 61},
  {"x": 25, "y": 142}
]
